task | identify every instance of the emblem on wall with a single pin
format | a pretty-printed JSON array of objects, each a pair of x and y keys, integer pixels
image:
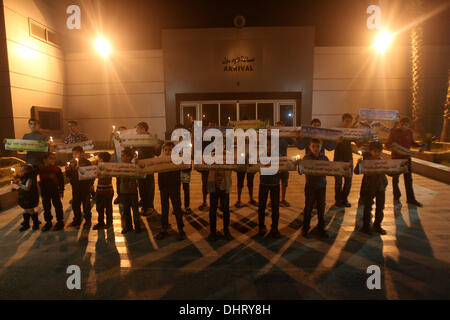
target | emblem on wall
[{"x": 239, "y": 63}]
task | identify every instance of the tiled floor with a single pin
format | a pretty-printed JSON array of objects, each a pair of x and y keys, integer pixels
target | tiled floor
[{"x": 414, "y": 256}]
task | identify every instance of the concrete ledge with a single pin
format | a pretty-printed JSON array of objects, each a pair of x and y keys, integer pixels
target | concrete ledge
[
  {"x": 427, "y": 168},
  {"x": 8, "y": 198}
]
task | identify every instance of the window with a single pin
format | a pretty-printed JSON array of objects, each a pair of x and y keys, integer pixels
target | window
[
  {"x": 42, "y": 33},
  {"x": 247, "y": 111},
  {"x": 210, "y": 114},
  {"x": 227, "y": 113},
  {"x": 265, "y": 112}
]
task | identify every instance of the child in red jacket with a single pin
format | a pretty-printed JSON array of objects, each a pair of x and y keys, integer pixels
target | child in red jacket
[{"x": 52, "y": 191}]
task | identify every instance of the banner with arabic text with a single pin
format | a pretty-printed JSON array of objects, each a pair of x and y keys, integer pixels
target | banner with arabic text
[
  {"x": 324, "y": 168},
  {"x": 388, "y": 166},
  {"x": 67, "y": 148},
  {"x": 26, "y": 145}
]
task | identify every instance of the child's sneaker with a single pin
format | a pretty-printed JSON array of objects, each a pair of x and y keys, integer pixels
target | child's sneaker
[
  {"x": 305, "y": 233},
  {"x": 213, "y": 237},
  {"x": 262, "y": 231},
  {"x": 36, "y": 226},
  {"x": 47, "y": 227},
  {"x": 181, "y": 235},
  {"x": 253, "y": 202},
  {"x": 227, "y": 235},
  {"x": 188, "y": 211},
  {"x": 379, "y": 230},
  {"x": 59, "y": 226},
  {"x": 161, "y": 235},
  {"x": 203, "y": 207},
  {"x": 24, "y": 227},
  {"x": 99, "y": 226},
  {"x": 284, "y": 203},
  {"x": 238, "y": 204},
  {"x": 274, "y": 234}
]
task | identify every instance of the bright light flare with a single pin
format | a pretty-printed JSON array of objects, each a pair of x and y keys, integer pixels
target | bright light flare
[
  {"x": 102, "y": 46},
  {"x": 382, "y": 41}
]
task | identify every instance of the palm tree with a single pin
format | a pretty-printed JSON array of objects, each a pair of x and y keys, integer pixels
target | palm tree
[
  {"x": 445, "y": 134},
  {"x": 417, "y": 68}
]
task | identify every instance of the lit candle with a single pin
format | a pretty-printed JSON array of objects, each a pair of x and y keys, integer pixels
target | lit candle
[
  {"x": 114, "y": 128},
  {"x": 190, "y": 145},
  {"x": 68, "y": 163},
  {"x": 76, "y": 159},
  {"x": 137, "y": 154},
  {"x": 51, "y": 139},
  {"x": 92, "y": 155},
  {"x": 13, "y": 170}
]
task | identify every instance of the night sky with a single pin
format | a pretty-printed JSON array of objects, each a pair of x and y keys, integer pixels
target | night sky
[{"x": 137, "y": 24}]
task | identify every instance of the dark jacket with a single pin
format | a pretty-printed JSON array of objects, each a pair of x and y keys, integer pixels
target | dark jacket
[
  {"x": 35, "y": 158},
  {"x": 372, "y": 182},
  {"x": 271, "y": 180},
  {"x": 51, "y": 179},
  {"x": 72, "y": 174},
  {"x": 315, "y": 182},
  {"x": 303, "y": 143},
  {"x": 169, "y": 180},
  {"x": 29, "y": 199}
]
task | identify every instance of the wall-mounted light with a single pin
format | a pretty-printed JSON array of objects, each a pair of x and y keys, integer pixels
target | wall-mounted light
[
  {"x": 382, "y": 41},
  {"x": 102, "y": 46}
]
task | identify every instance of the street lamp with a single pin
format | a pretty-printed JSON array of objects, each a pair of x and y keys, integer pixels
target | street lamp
[
  {"x": 382, "y": 41},
  {"x": 102, "y": 46}
]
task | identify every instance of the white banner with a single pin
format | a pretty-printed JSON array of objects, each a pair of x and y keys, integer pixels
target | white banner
[
  {"x": 284, "y": 164},
  {"x": 26, "y": 145},
  {"x": 389, "y": 166},
  {"x": 287, "y": 131},
  {"x": 324, "y": 168},
  {"x": 138, "y": 140},
  {"x": 118, "y": 170},
  {"x": 320, "y": 133},
  {"x": 67, "y": 148}
]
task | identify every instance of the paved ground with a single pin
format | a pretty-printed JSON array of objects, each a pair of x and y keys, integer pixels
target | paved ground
[{"x": 414, "y": 256}]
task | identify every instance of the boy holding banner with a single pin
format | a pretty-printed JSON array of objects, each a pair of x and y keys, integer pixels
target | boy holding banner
[
  {"x": 374, "y": 185},
  {"x": 315, "y": 192},
  {"x": 269, "y": 184},
  {"x": 147, "y": 185},
  {"x": 81, "y": 190},
  {"x": 169, "y": 187},
  {"x": 403, "y": 136},
  {"x": 304, "y": 142}
]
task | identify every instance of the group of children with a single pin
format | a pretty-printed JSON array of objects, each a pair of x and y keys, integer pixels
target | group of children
[{"x": 216, "y": 183}]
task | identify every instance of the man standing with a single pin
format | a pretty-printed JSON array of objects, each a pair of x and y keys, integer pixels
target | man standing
[
  {"x": 75, "y": 135},
  {"x": 284, "y": 176},
  {"x": 35, "y": 158},
  {"x": 403, "y": 136}
]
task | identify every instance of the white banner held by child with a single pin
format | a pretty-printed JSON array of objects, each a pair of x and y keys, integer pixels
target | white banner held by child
[
  {"x": 324, "y": 168},
  {"x": 354, "y": 134},
  {"x": 26, "y": 145},
  {"x": 87, "y": 172},
  {"x": 118, "y": 170},
  {"x": 320, "y": 133},
  {"x": 402, "y": 150},
  {"x": 389, "y": 166}
]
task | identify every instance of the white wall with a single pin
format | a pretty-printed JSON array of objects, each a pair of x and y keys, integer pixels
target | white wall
[
  {"x": 124, "y": 89},
  {"x": 36, "y": 69},
  {"x": 346, "y": 79}
]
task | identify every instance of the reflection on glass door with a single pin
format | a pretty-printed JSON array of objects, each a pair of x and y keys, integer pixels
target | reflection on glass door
[
  {"x": 210, "y": 114},
  {"x": 188, "y": 114},
  {"x": 287, "y": 114},
  {"x": 247, "y": 111},
  {"x": 227, "y": 113}
]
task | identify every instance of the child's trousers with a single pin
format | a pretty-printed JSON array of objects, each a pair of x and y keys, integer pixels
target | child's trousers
[
  {"x": 379, "y": 196},
  {"x": 173, "y": 195},
  {"x": 314, "y": 197},
  {"x": 47, "y": 200},
  {"x": 214, "y": 198},
  {"x": 129, "y": 202},
  {"x": 264, "y": 191},
  {"x": 104, "y": 207}
]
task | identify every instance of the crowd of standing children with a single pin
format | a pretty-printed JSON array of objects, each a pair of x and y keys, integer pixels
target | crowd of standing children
[{"x": 216, "y": 183}]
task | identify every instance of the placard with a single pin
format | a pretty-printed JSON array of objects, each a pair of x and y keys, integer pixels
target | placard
[
  {"x": 388, "y": 166},
  {"x": 118, "y": 170},
  {"x": 379, "y": 115},
  {"x": 159, "y": 164},
  {"x": 285, "y": 132},
  {"x": 138, "y": 140},
  {"x": 87, "y": 172},
  {"x": 324, "y": 168},
  {"x": 67, "y": 148},
  {"x": 284, "y": 164},
  {"x": 26, "y": 145},
  {"x": 248, "y": 124},
  {"x": 320, "y": 133}
]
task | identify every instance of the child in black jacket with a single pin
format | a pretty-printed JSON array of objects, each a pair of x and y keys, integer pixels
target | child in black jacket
[
  {"x": 81, "y": 189},
  {"x": 374, "y": 186},
  {"x": 26, "y": 184}
]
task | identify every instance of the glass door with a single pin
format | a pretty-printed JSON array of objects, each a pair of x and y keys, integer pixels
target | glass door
[
  {"x": 287, "y": 114},
  {"x": 210, "y": 114},
  {"x": 189, "y": 113}
]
